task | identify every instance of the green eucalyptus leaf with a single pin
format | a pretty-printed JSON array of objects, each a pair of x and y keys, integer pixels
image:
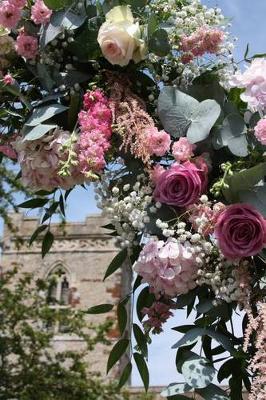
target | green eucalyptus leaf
[
  {"x": 47, "y": 243},
  {"x": 248, "y": 186},
  {"x": 145, "y": 299},
  {"x": 116, "y": 353},
  {"x": 140, "y": 339},
  {"x": 125, "y": 375},
  {"x": 255, "y": 197},
  {"x": 37, "y": 131},
  {"x": 122, "y": 317},
  {"x": 44, "y": 113},
  {"x": 197, "y": 372},
  {"x": 86, "y": 46},
  {"x": 37, "y": 232},
  {"x": 195, "y": 334},
  {"x": 143, "y": 369},
  {"x": 59, "y": 22},
  {"x": 183, "y": 115},
  {"x": 116, "y": 263},
  {"x": 33, "y": 203},
  {"x": 202, "y": 120},
  {"x": 159, "y": 43},
  {"x": 233, "y": 135},
  {"x": 212, "y": 392},
  {"x": 175, "y": 389},
  {"x": 100, "y": 309}
]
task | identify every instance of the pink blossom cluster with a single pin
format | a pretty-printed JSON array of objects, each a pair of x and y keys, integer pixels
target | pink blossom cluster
[
  {"x": 253, "y": 80},
  {"x": 168, "y": 267},
  {"x": 26, "y": 45},
  {"x": 158, "y": 313},
  {"x": 260, "y": 131},
  {"x": 10, "y": 12},
  {"x": 40, "y": 13},
  {"x": 204, "y": 40},
  {"x": 95, "y": 131},
  {"x": 183, "y": 150},
  {"x": 203, "y": 217},
  {"x": 158, "y": 142},
  {"x": 40, "y": 162}
]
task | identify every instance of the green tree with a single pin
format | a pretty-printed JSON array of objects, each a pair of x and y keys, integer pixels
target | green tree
[{"x": 29, "y": 368}]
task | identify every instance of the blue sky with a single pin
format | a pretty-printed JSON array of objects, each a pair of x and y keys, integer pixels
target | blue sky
[{"x": 248, "y": 19}]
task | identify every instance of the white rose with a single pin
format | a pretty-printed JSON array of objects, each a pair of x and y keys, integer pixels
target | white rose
[{"x": 119, "y": 37}]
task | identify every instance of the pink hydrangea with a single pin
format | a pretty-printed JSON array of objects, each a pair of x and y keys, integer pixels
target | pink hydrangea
[
  {"x": 95, "y": 122},
  {"x": 183, "y": 149},
  {"x": 168, "y": 267},
  {"x": 158, "y": 313},
  {"x": 26, "y": 46},
  {"x": 158, "y": 142},
  {"x": 9, "y": 14},
  {"x": 253, "y": 80},
  {"x": 40, "y": 13},
  {"x": 260, "y": 131},
  {"x": 40, "y": 162}
]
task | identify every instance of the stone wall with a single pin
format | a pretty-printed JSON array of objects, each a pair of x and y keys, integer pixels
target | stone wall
[{"x": 85, "y": 251}]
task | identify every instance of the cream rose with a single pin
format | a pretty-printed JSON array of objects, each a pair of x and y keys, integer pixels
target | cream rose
[{"x": 119, "y": 37}]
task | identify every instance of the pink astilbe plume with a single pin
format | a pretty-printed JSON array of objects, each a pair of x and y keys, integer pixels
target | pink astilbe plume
[
  {"x": 158, "y": 313},
  {"x": 131, "y": 118},
  {"x": 204, "y": 40},
  {"x": 258, "y": 363}
]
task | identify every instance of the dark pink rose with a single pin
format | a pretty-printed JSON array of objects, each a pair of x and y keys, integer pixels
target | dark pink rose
[
  {"x": 181, "y": 184},
  {"x": 241, "y": 231}
]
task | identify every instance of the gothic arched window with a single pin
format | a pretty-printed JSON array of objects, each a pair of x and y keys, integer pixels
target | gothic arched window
[
  {"x": 58, "y": 296},
  {"x": 58, "y": 287}
]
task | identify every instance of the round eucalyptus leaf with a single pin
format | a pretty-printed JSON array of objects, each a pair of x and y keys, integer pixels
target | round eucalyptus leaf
[{"x": 197, "y": 372}]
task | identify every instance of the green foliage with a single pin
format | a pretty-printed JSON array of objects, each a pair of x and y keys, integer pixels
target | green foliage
[
  {"x": 232, "y": 134},
  {"x": 29, "y": 368},
  {"x": 248, "y": 186},
  {"x": 159, "y": 43},
  {"x": 117, "y": 352},
  {"x": 143, "y": 369},
  {"x": 116, "y": 263},
  {"x": 182, "y": 114},
  {"x": 10, "y": 188}
]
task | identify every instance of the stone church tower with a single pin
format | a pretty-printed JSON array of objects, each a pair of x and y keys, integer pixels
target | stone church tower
[{"x": 80, "y": 254}]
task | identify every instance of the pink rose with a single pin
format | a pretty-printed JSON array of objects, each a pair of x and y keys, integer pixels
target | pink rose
[
  {"x": 9, "y": 15},
  {"x": 180, "y": 185},
  {"x": 40, "y": 14},
  {"x": 119, "y": 37},
  {"x": 158, "y": 142},
  {"x": 260, "y": 131},
  {"x": 8, "y": 79},
  {"x": 183, "y": 149},
  {"x": 241, "y": 231},
  {"x": 26, "y": 46}
]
